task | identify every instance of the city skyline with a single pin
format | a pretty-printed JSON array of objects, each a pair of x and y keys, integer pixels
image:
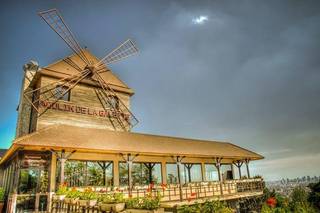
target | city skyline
[{"x": 257, "y": 63}]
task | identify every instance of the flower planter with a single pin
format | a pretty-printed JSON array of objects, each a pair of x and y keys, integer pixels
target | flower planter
[
  {"x": 92, "y": 202},
  {"x": 115, "y": 207},
  {"x": 74, "y": 200},
  {"x": 83, "y": 202},
  {"x": 67, "y": 200},
  {"x": 159, "y": 210},
  {"x": 87, "y": 202},
  {"x": 59, "y": 197},
  {"x": 1, "y": 206}
]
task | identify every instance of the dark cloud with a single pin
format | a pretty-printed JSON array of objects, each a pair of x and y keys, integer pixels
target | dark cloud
[{"x": 250, "y": 74}]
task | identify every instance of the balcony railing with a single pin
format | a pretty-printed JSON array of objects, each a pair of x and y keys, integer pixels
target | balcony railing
[{"x": 44, "y": 202}]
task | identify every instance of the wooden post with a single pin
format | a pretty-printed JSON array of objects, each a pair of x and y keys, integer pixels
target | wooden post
[
  {"x": 238, "y": 163},
  {"x": 116, "y": 173},
  {"x": 179, "y": 179},
  {"x": 203, "y": 171},
  {"x": 217, "y": 163},
  {"x": 178, "y": 161},
  {"x": 189, "y": 166},
  {"x": 53, "y": 168},
  {"x": 62, "y": 157},
  {"x": 62, "y": 163},
  {"x": 129, "y": 163},
  {"x": 247, "y": 165},
  {"x": 129, "y": 160},
  {"x": 164, "y": 172}
]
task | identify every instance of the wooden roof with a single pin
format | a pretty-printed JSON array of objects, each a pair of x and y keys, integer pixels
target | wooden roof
[
  {"x": 107, "y": 141},
  {"x": 61, "y": 69}
]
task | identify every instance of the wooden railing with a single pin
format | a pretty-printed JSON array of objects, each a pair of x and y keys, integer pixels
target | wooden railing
[{"x": 44, "y": 202}]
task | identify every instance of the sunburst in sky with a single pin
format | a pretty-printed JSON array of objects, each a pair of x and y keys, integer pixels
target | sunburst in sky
[{"x": 200, "y": 19}]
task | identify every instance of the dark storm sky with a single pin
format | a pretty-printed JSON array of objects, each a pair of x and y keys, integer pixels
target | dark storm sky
[{"x": 247, "y": 72}]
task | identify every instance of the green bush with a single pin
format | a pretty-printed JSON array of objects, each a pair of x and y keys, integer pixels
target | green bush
[
  {"x": 314, "y": 196},
  {"x": 148, "y": 202},
  {"x": 1, "y": 194},
  {"x": 73, "y": 193},
  {"x": 206, "y": 207},
  {"x": 88, "y": 195},
  {"x": 62, "y": 190},
  {"x": 116, "y": 197}
]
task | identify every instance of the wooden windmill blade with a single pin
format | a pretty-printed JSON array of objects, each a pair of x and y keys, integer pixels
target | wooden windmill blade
[
  {"x": 55, "y": 21},
  {"x": 124, "y": 50},
  {"x": 120, "y": 111},
  {"x": 43, "y": 98}
]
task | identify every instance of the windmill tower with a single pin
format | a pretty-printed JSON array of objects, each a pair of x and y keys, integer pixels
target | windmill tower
[{"x": 77, "y": 90}]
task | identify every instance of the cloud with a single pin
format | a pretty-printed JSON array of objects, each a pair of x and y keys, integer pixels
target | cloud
[{"x": 200, "y": 20}]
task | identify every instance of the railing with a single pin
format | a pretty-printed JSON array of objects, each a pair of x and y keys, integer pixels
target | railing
[{"x": 45, "y": 203}]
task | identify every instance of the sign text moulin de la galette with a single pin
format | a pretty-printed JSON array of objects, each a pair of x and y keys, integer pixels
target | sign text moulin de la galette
[{"x": 66, "y": 107}]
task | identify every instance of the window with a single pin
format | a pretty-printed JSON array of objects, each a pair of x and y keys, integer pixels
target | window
[
  {"x": 88, "y": 173},
  {"x": 172, "y": 173},
  {"x": 62, "y": 93},
  {"x": 142, "y": 173},
  {"x": 211, "y": 172},
  {"x": 226, "y": 172},
  {"x": 191, "y": 173},
  {"x": 113, "y": 102}
]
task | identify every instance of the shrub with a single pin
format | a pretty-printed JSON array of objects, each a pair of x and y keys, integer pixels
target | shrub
[
  {"x": 73, "y": 193},
  {"x": 148, "y": 202},
  {"x": 62, "y": 189},
  {"x": 116, "y": 197},
  {"x": 1, "y": 194},
  {"x": 314, "y": 196},
  {"x": 206, "y": 207},
  {"x": 88, "y": 194}
]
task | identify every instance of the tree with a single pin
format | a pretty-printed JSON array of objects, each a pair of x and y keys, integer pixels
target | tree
[{"x": 314, "y": 196}]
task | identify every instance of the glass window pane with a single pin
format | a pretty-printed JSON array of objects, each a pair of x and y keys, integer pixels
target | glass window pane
[
  {"x": 88, "y": 173},
  {"x": 211, "y": 172},
  {"x": 28, "y": 180},
  {"x": 226, "y": 172},
  {"x": 123, "y": 174},
  {"x": 172, "y": 173}
]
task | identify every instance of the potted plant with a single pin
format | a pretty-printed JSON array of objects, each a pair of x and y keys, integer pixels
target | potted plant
[
  {"x": 61, "y": 192},
  {"x": 72, "y": 196},
  {"x": 88, "y": 198},
  {"x": 148, "y": 204},
  {"x": 1, "y": 199},
  {"x": 112, "y": 202}
]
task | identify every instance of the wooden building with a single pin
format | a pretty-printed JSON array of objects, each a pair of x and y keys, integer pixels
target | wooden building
[{"x": 77, "y": 141}]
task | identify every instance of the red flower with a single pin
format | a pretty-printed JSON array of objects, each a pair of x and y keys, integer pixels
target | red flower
[
  {"x": 272, "y": 202},
  {"x": 193, "y": 194},
  {"x": 164, "y": 186}
]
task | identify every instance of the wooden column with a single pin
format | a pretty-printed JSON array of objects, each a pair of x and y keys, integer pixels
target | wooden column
[
  {"x": 129, "y": 160},
  {"x": 247, "y": 165},
  {"x": 203, "y": 171},
  {"x": 217, "y": 164},
  {"x": 164, "y": 172},
  {"x": 189, "y": 166},
  {"x": 238, "y": 163},
  {"x": 178, "y": 160},
  {"x": 116, "y": 173},
  {"x": 150, "y": 167},
  {"x": 129, "y": 163},
  {"x": 53, "y": 168}
]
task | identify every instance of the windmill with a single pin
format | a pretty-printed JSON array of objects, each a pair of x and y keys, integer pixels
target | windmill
[{"x": 119, "y": 114}]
